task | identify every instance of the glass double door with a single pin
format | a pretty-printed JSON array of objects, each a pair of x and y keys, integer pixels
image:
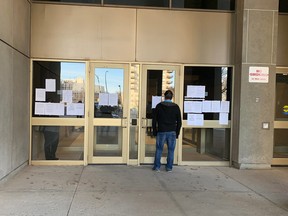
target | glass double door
[{"x": 122, "y": 98}]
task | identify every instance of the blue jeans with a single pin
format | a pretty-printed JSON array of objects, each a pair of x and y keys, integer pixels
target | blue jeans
[{"x": 161, "y": 139}]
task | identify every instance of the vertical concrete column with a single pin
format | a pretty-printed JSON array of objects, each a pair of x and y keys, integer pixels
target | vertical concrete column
[{"x": 256, "y": 40}]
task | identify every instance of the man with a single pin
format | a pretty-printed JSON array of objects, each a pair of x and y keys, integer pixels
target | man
[{"x": 166, "y": 125}]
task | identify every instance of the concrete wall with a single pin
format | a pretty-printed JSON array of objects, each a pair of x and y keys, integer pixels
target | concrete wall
[
  {"x": 129, "y": 34},
  {"x": 14, "y": 84}
]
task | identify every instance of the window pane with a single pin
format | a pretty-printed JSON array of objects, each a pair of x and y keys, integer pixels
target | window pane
[
  {"x": 108, "y": 92},
  {"x": 147, "y": 3},
  {"x": 217, "y": 82},
  {"x": 57, "y": 142},
  {"x": 280, "y": 143},
  {"x": 281, "y": 97},
  {"x": 205, "y": 144},
  {"x": 134, "y": 111},
  {"x": 108, "y": 141},
  {"x": 58, "y": 89},
  {"x": 205, "y": 4},
  {"x": 283, "y": 6}
]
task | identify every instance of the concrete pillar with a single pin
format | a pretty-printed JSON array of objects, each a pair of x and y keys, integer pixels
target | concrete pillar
[{"x": 256, "y": 40}]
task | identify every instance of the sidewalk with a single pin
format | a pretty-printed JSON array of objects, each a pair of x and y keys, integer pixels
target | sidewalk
[{"x": 127, "y": 191}]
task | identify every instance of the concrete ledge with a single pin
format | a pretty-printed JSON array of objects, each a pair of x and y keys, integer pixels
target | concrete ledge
[{"x": 251, "y": 166}]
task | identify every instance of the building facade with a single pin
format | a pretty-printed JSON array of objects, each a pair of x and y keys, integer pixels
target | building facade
[{"x": 83, "y": 77}]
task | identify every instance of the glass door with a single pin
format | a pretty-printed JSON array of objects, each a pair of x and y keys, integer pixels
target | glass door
[
  {"x": 156, "y": 79},
  {"x": 280, "y": 148},
  {"x": 108, "y": 113}
]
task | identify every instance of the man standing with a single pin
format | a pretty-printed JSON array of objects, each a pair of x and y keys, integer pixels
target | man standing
[{"x": 166, "y": 125}]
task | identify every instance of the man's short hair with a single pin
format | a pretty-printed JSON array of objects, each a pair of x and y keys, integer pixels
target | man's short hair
[{"x": 168, "y": 94}]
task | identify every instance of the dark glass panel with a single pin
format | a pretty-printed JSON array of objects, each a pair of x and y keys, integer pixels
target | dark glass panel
[
  {"x": 283, "y": 6},
  {"x": 67, "y": 96},
  {"x": 281, "y": 108},
  {"x": 217, "y": 82},
  {"x": 72, "y": 1},
  {"x": 55, "y": 142},
  {"x": 205, "y": 4},
  {"x": 280, "y": 149},
  {"x": 146, "y": 3},
  {"x": 205, "y": 144}
]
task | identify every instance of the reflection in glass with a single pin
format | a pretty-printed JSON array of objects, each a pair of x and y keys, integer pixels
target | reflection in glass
[
  {"x": 280, "y": 143},
  {"x": 205, "y": 144},
  {"x": 205, "y": 4},
  {"x": 57, "y": 142},
  {"x": 108, "y": 141},
  {"x": 217, "y": 82},
  {"x": 158, "y": 81},
  {"x": 108, "y": 92},
  {"x": 281, "y": 110},
  {"x": 134, "y": 111},
  {"x": 66, "y": 95}
]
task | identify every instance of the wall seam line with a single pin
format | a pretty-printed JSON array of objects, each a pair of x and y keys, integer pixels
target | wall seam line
[{"x": 14, "y": 48}]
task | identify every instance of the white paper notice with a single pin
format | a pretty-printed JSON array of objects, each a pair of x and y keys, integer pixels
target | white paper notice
[
  {"x": 156, "y": 100},
  {"x": 54, "y": 109},
  {"x": 258, "y": 74},
  {"x": 215, "y": 106},
  {"x": 67, "y": 96},
  {"x": 113, "y": 99},
  {"x": 195, "y": 91},
  {"x": 39, "y": 108},
  {"x": 195, "y": 119},
  {"x": 40, "y": 94},
  {"x": 207, "y": 106},
  {"x": 223, "y": 118},
  {"x": 225, "y": 106},
  {"x": 196, "y": 106},
  {"x": 187, "y": 106},
  {"x": 50, "y": 85},
  {"x": 75, "y": 109},
  {"x": 103, "y": 99}
]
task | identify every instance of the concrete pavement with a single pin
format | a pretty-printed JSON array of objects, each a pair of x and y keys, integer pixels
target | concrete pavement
[{"x": 127, "y": 190}]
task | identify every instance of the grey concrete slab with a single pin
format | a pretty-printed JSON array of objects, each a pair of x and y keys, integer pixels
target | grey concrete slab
[
  {"x": 279, "y": 199},
  {"x": 226, "y": 204},
  {"x": 35, "y": 203},
  {"x": 44, "y": 179},
  {"x": 115, "y": 178},
  {"x": 261, "y": 181},
  {"x": 123, "y": 203},
  {"x": 204, "y": 178},
  {"x": 127, "y": 190}
]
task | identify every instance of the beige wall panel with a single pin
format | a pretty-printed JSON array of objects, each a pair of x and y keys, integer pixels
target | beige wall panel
[
  {"x": 184, "y": 37},
  {"x": 6, "y": 20},
  {"x": 6, "y": 108},
  {"x": 80, "y": 32},
  {"x": 21, "y": 119},
  {"x": 282, "y": 49},
  {"x": 21, "y": 26}
]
